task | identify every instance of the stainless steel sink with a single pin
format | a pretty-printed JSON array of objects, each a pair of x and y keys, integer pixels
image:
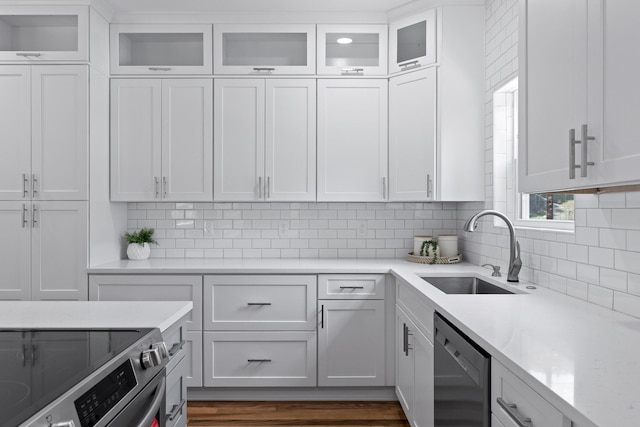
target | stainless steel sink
[{"x": 465, "y": 285}]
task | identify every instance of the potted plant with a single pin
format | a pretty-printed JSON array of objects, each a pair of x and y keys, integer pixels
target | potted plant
[{"x": 139, "y": 243}]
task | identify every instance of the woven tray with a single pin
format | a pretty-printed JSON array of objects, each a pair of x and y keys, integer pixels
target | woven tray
[{"x": 430, "y": 260}]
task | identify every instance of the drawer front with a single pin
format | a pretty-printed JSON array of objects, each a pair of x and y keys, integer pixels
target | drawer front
[
  {"x": 260, "y": 303},
  {"x": 351, "y": 286},
  {"x": 260, "y": 359},
  {"x": 150, "y": 288},
  {"x": 416, "y": 306},
  {"x": 175, "y": 338},
  {"x": 529, "y": 404},
  {"x": 176, "y": 397},
  {"x": 193, "y": 361}
]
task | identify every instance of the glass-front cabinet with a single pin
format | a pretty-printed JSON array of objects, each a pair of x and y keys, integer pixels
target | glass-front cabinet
[
  {"x": 352, "y": 50},
  {"x": 161, "y": 49},
  {"x": 43, "y": 33},
  {"x": 264, "y": 49},
  {"x": 412, "y": 42}
]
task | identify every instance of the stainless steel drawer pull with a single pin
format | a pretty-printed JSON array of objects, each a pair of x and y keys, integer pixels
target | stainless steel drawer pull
[
  {"x": 25, "y": 221},
  {"x": 410, "y": 64},
  {"x": 258, "y": 360},
  {"x": 164, "y": 187},
  {"x": 28, "y": 54},
  {"x": 351, "y": 287},
  {"x": 34, "y": 183},
  {"x": 156, "y": 186},
  {"x": 34, "y": 221},
  {"x": 584, "y": 150},
  {"x": 176, "y": 347},
  {"x": 258, "y": 303},
  {"x": 352, "y": 70},
  {"x": 176, "y": 410},
  {"x": 267, "y": 69},
  {"x": 512, "y": 410},
  {"x": 159, "y": 68},
  {"x": 25, "y": 186}
]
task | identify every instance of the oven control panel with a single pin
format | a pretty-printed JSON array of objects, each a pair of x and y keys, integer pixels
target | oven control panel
[{"x": 95, "y": 403}]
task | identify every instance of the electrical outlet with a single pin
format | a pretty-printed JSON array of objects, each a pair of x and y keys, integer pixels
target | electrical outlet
[
  {"x": 283, "y": 229},
  {"x": 362, "y": 229},
  {"x": 208, "y": 229}
]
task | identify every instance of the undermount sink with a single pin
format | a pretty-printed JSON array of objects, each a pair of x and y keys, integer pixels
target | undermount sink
[{"x": 465, "y": 285}]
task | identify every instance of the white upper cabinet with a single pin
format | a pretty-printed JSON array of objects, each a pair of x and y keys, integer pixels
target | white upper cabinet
[
  {"x": 264, "y": 49},
  {"x": 161, "y": 140},
  {"x": 412, "y": 42},
  {"x": 352, "y": 50},
  {"x": 265, "y": 140},
  {"x": 352, "y": 140},
  {"x": 44, "y": 33},
  {"x": 161, "y": 49},
  {"x": 44, "y": 128},
  {"x": 571, "y": 104},
  {"x": 412, "y": 136}
]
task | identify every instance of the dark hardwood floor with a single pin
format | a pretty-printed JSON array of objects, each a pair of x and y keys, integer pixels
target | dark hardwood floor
[{"x": 300, "y": 414}]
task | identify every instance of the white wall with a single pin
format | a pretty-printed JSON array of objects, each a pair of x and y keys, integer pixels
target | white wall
[{"x": 600, "y": 262}]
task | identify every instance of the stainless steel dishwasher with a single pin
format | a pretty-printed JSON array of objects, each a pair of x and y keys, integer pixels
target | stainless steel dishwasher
[{"x": 461, "y": 378}]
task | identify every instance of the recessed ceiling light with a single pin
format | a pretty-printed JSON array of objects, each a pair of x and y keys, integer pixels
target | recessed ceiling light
[{"x": 344, "y": 40}]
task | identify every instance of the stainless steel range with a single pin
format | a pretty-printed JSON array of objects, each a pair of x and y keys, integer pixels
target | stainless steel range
[{"x": 82, "y": 378}]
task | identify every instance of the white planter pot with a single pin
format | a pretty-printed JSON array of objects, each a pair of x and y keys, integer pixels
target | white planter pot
[
  {"x": 136, "y": 251},
  {"x": 448, "y": 244}
]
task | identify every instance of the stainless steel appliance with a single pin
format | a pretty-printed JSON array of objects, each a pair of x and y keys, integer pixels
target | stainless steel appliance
[
  {"x": 82, "y": 378},
  {"x": 461, "y": 378}
]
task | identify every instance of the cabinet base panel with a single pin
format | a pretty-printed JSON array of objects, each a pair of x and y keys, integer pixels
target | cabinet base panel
[{"x": 294, "y": 393}]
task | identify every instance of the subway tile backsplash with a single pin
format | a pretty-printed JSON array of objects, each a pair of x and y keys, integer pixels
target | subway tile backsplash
[{"x": 290, "y": 230}]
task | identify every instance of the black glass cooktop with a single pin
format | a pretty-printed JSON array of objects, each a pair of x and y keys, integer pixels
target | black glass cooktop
[{"x": 37, "y": 366}]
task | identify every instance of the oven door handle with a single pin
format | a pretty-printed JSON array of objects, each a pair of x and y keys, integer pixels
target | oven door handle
[{"x": 158, "y": 398}]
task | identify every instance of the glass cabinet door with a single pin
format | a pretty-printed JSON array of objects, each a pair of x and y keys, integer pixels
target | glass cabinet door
[
  {"x": 352, "y": 49},
  {"x": 412, "y": 42},
  {"x": 264, "y": 49}
]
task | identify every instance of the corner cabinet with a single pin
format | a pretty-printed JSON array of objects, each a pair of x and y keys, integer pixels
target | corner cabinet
[
  {"x": 265, "y": 140},
  {"x": 44, "y": 33},
  {"x": 352, "y": 50},
  {"x": 412, "y": 42},
  {"x": 161, "y": 140},
  {"x": 590, "y": 130},
  {"x": 264, "y": 49},
  {"x": 352, "y": 140}
]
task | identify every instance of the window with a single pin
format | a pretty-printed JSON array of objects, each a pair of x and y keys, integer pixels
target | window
[{"x": 544, "y": 211}]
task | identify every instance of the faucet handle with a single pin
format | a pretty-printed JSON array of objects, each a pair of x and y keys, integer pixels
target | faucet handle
[{"x": 496, "y": 270}]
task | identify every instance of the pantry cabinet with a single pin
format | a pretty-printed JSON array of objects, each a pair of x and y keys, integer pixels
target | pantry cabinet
[
  {"x": 352, "y": 140},
  {"x": 352, "y": 50},
  {"x": 412, "y": 42},
  {"x": 45, "y": 255},
  {"x": 265, "y": 140},
  {"x": 569, "y": 112},
  {"x": 44, "y": 131},
  {"x": 161, "y": 49},
  {"x": 161, "y": 140},
  {"x": 44, "y": 33},
  {"x": 264, "y": 49}
]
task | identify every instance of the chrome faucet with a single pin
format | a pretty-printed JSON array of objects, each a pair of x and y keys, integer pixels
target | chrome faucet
[{"x": 515, "y": 263}]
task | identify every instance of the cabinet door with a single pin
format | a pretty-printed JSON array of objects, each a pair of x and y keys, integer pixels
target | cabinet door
[
  {"x": 352, "y": 50},
  {"x": 352, "y": 140},
  {"x": 135, "y": 140},
  {"x": 59, "y": 251},
  {"x": 290, "y": 138},
  {"x": 404, "y": 363},
  {"x": 264, "y": 49},
  {"x": 351, "y": 343},
  {"x": 15, "y": 255},
  {"x": 60, "y": 138},
  {"x": 15, "y": 132},
  {"x": 412, "y": 42},
  {"x": 412, "y": 136},
  {"x": 187, "y": 140},
  {"x": 239, "y": 139},
  {"x": 615, "y": 109},
  {"x": 423, "y": 380},
  {"x": 553, "y": 91}
]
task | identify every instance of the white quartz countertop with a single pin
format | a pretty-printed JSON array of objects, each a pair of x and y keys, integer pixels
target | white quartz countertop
[
  {"x": 582, "y": 358},
  {"x": 91, "y": 314}
]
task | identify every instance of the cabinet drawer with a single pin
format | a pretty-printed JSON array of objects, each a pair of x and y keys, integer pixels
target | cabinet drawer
[
  {"x": 150, "y": 288},
  {"x": 416, "y": 305},
  {"x": 528, "y": 404},
  {"x": 260, "y": 359},
  {"x": 260, "y": 302},
  {"x": 175, "y": 338},
  {"x": 351, "y": 286},
  {"x": 176, "y": 397}
]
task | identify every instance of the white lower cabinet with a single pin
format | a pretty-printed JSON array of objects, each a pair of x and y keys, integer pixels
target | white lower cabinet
[
  {"x": 351, "y": 343},
  {"x": 46, "y": 257},
  {"x": 177, "y": 374}
]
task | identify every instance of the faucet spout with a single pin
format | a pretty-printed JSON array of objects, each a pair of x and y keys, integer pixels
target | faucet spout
[{"x": 515, "y": 263}]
